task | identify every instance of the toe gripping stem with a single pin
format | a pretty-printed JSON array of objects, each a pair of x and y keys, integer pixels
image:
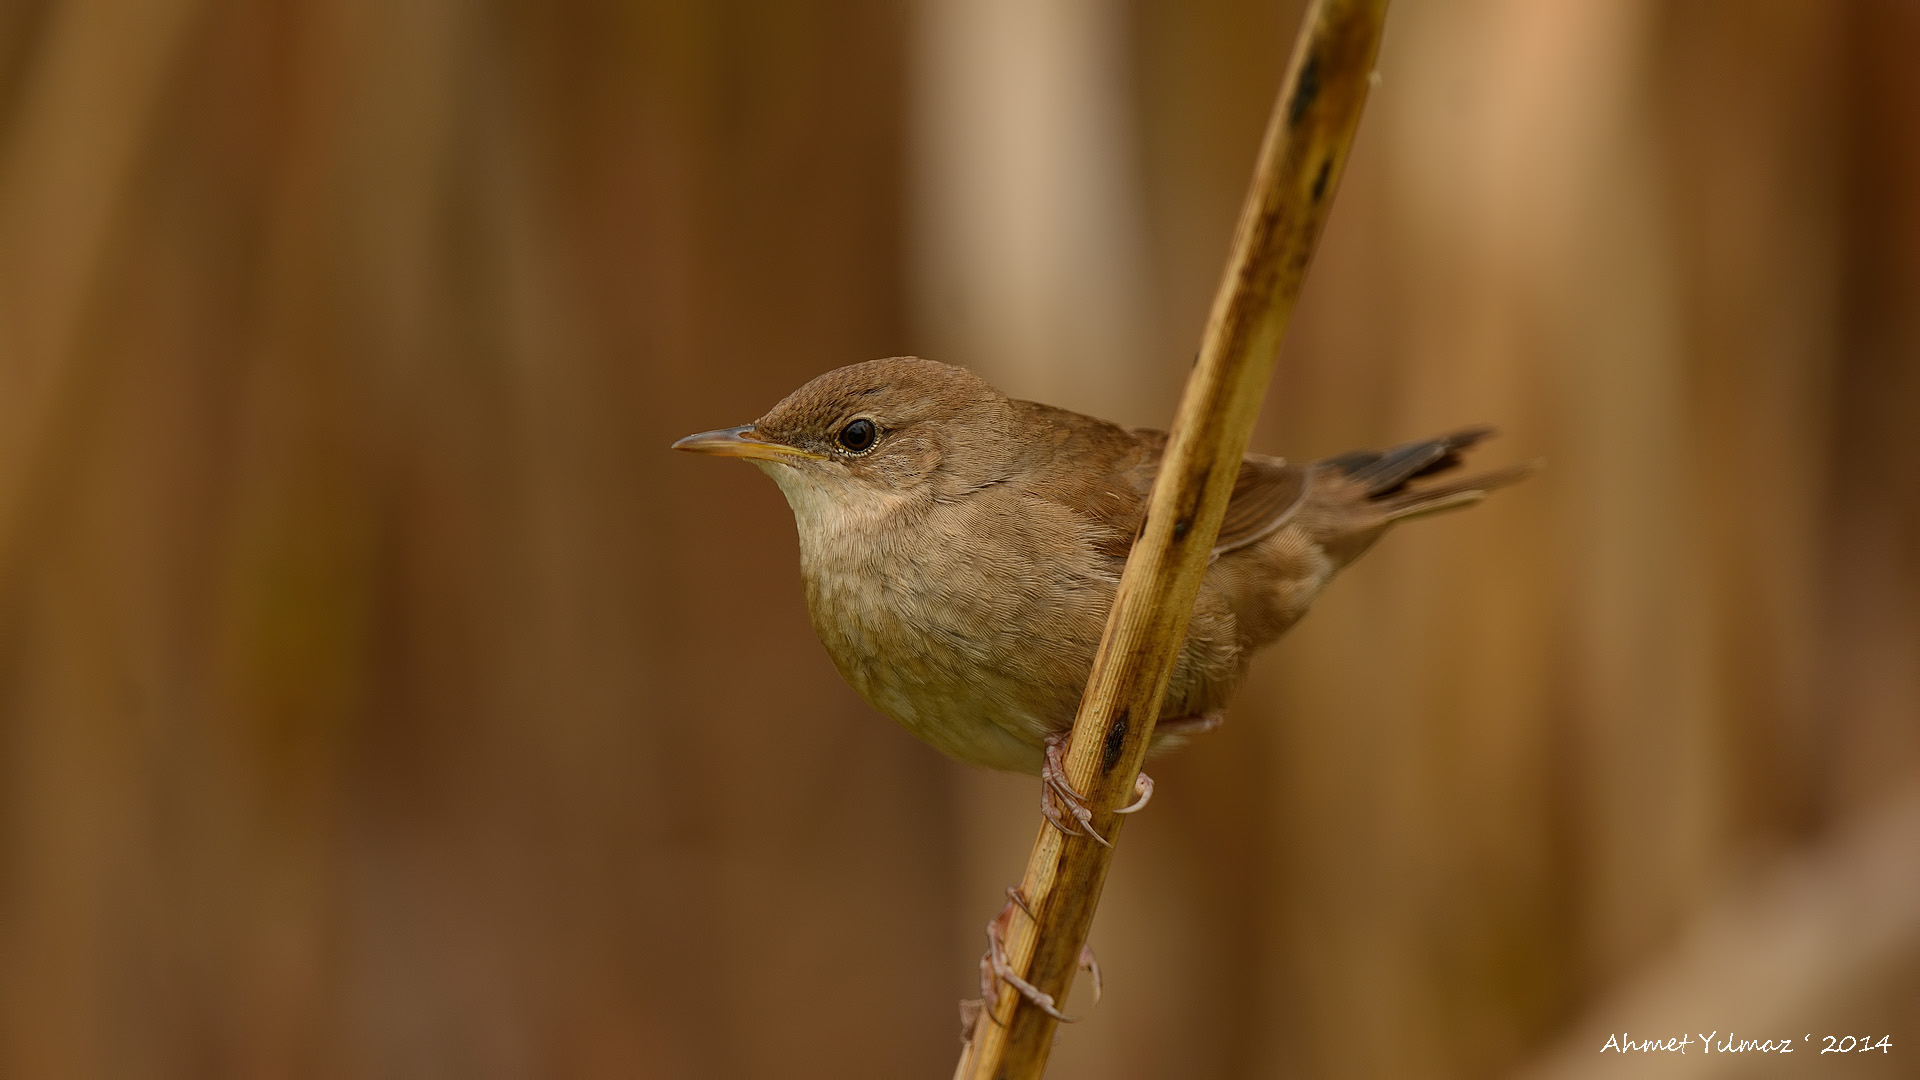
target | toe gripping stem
[
  {"x": 1066, "y": 808},
  {"x": 995, "y": 969}
]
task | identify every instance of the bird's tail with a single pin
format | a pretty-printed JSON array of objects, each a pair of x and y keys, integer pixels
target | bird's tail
[{"x": 1386, "y": 476}]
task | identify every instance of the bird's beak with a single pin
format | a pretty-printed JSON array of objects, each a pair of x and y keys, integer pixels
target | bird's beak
[{"x": 740, "y": 442}]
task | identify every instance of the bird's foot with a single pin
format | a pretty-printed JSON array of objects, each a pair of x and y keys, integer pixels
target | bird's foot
[
  {"x": 1059, "y": 801},
  {"x": 995, "y": 969}
]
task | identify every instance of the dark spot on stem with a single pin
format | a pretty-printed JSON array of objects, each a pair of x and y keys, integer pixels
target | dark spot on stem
[
  {"x": 1200, "y": 478},
  {"x": 1306, "y": 91},
  {"x": 1320, "y": 179},
  {"x": 1116, "y": 736}
]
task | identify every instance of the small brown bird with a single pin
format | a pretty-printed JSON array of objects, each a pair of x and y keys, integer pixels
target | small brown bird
[{"x": 960, "y": 550}]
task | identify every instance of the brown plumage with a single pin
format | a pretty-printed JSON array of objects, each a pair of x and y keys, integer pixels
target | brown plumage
[{"x": 960, "y": 548}]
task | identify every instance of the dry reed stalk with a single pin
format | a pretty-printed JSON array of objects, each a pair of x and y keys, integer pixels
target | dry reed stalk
[{"x": 1301, "y": 158}]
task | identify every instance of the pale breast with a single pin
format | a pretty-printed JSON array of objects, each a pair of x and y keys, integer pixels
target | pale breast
[
  {"x": 977, "y": 640},
  {"x": 974, "y": 626}
]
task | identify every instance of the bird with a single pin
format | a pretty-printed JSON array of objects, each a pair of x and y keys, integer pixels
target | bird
[{"x": 960, "y": 549}]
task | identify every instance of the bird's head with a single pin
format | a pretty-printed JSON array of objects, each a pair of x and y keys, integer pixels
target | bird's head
[{"x": 870, "y": 436}]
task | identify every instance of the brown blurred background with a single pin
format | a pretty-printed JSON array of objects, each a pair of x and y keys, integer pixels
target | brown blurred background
[{"x": 380, "y": 698}]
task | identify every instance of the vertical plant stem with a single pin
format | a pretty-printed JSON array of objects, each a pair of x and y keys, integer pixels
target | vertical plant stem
[{"x": 1299, "y": 168}]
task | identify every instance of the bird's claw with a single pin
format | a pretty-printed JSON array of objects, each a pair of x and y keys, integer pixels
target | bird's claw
[
  {"x": 1091, "y": 965},
  {"x": 1142, "y": 794}
]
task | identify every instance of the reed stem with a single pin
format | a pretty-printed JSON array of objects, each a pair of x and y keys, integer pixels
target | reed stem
[{"x": 1301, "y": 159}]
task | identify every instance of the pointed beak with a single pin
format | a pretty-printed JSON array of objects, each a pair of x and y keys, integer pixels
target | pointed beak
[{"x": 741, "y": 442}]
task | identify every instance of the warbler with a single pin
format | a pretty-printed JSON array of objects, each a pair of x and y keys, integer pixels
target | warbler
[{"x": 960, "y": 549}]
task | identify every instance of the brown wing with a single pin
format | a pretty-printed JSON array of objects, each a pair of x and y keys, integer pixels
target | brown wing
[
  {"x": 1106, "y": 472},
  {"x": 1266, "y": 494},
  {"x": 1101, "y": 471}
]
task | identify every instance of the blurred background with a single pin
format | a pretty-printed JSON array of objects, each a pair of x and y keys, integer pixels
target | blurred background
[{"x": 380, "y": 698}]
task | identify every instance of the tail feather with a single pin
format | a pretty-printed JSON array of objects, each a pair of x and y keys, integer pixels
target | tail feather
[
  {"x": 1418, "y": 502},
  {"x": 1386, "y": 472},
  {"x": 1371, "y": 489}
]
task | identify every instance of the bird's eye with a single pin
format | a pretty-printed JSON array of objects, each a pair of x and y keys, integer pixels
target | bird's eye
[{"x": 858, "y": 435}]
